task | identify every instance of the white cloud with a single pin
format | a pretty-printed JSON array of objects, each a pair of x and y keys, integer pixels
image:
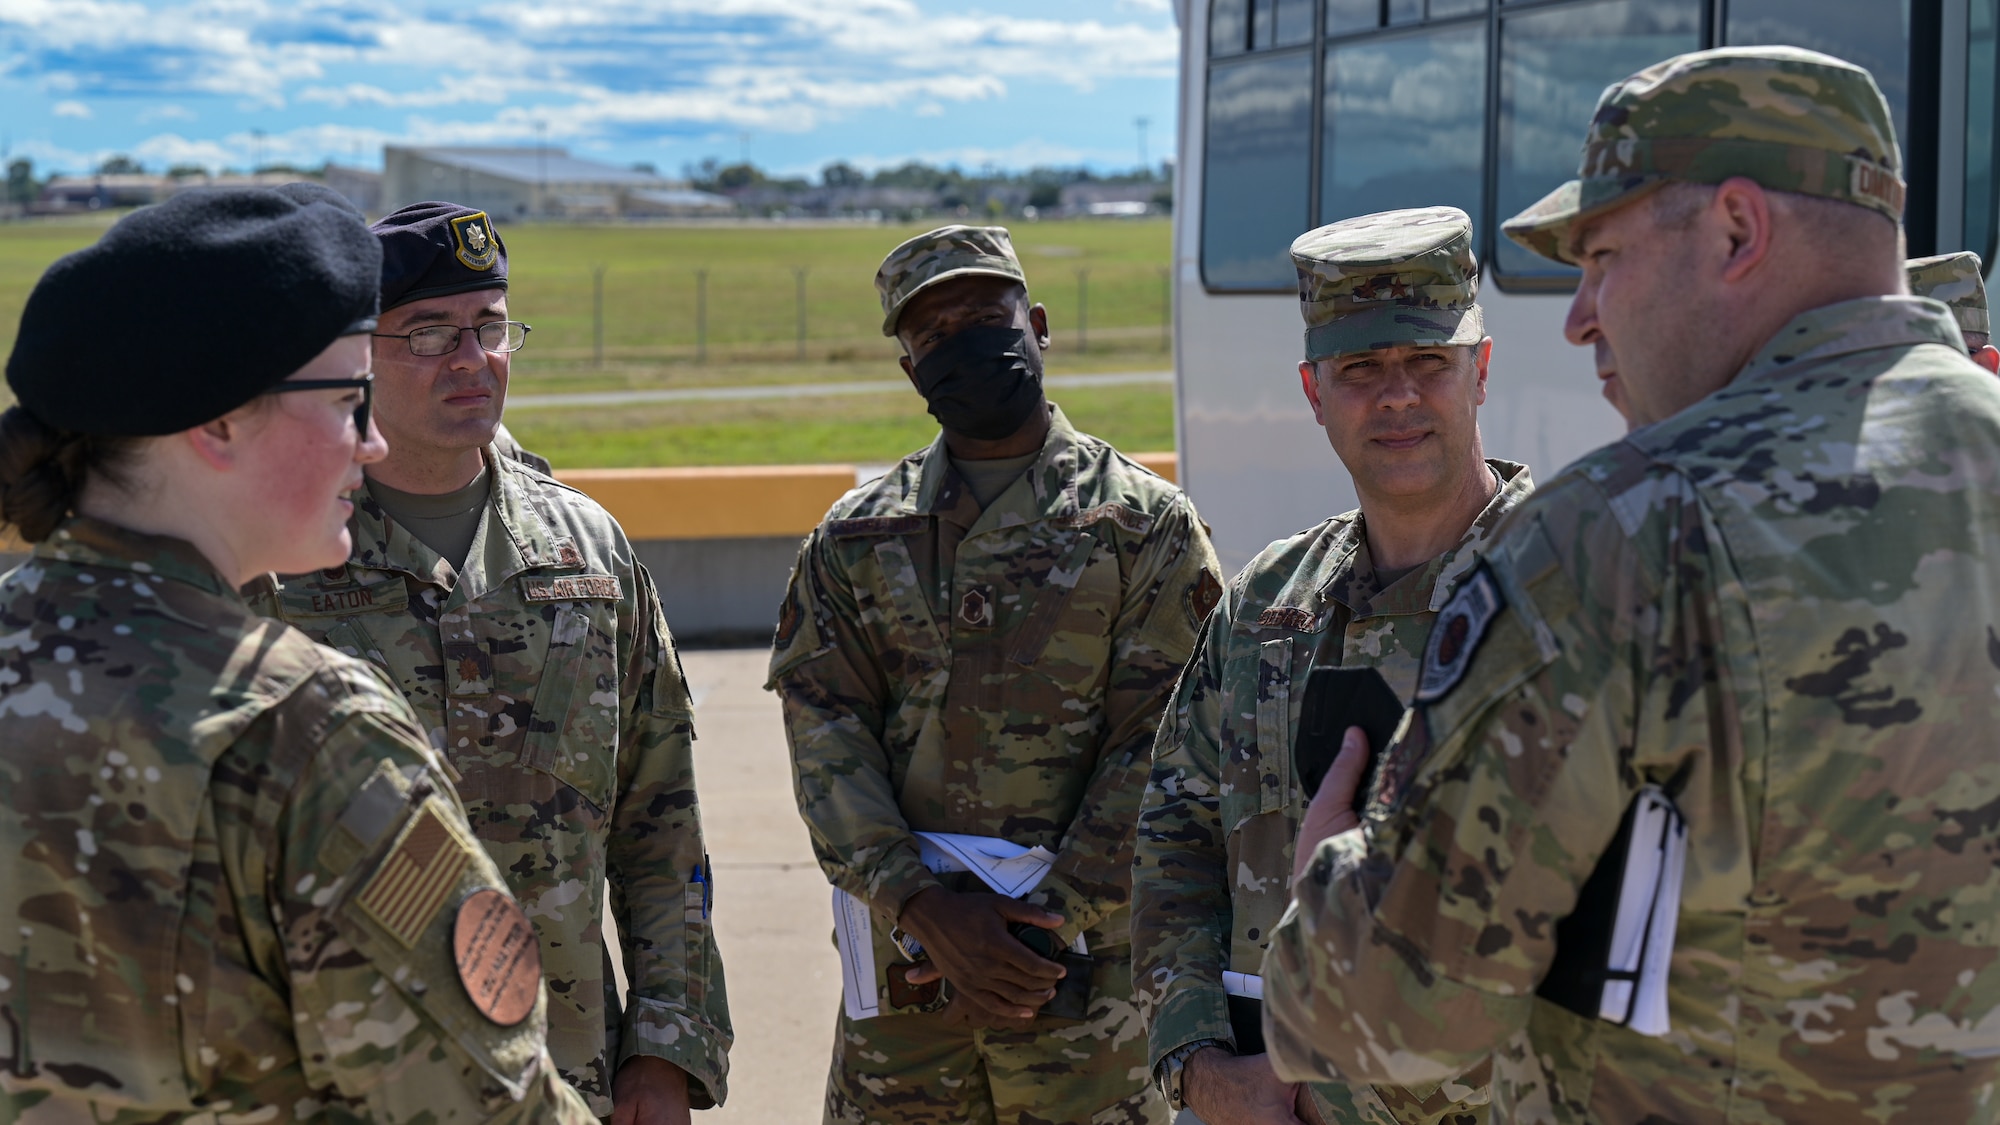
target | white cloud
[
  {"x": 591, "y": 72},
  {"x": 72, "y": 109}
]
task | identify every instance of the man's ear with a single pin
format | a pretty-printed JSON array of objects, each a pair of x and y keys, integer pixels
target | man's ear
[
  {"x": 1482, "y": 355},
  {"x": 1988, "y": 357},
  {"x": 1309, "y": 383},
  {"x": 1741, "y": 211},
  {"x": 1038, "y": 320}
]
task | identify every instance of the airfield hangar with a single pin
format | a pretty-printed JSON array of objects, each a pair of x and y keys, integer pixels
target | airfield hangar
[{"x": 537, "y": 182}]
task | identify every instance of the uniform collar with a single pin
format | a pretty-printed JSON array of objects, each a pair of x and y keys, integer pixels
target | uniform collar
[
  {"x": 84, "y": 541},
  {"x": 1347, "y": 576},
  {"x": 1854, "y": 326},
  {"x": 1047, "y": 488},
  {"x": 513, "y": 537}
]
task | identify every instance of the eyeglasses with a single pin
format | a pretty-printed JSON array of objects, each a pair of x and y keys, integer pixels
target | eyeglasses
[
  {"x": 442, "y": 339},
  {"x": 361, "y": 413}
]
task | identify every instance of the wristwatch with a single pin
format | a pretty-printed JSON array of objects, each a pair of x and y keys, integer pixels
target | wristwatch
[{"x": 1167, "y": 1075}]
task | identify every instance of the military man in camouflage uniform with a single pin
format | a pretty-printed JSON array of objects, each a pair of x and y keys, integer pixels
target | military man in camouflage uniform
[
  {"x": 1959, "y": 280},
  {"x": 1776, "y": 600},
  {"x": 235, "y": 881},
  {"x": 511, "y": 612},
  {"x": 1395, "y": 370},
  {"x": 980, "y": 642}
]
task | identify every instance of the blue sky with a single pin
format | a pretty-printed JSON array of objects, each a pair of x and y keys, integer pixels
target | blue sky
[{"x": 795, "y": 83}]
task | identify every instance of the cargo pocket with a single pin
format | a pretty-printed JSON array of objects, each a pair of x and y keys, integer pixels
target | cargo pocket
[{"x": 573, "y": 732}]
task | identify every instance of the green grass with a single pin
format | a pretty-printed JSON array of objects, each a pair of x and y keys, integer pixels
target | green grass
[
  {"x": 863, "y": 429},
  {"x": 650, "y": 333}
]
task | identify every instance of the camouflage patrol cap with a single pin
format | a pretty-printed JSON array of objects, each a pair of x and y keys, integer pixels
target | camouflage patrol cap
[
  {"x": 938, "y": 255},
  {"x": 1790, "y": 119},
  {"x": 1958, "y": 280},
  {"x": 1396, "y": 277}
]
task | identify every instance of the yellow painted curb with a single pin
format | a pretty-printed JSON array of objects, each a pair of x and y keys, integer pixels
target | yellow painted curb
[
  {"x": 738, "y": 502},
  {"x": 735, "y": 502},
  {"x": 732, "y": 502}
]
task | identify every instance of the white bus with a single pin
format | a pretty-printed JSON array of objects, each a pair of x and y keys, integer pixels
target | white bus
[{"x": 1296, "y": 113}]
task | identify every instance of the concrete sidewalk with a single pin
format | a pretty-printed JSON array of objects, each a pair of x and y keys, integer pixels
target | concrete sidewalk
[{"x": 773, "y": 913}]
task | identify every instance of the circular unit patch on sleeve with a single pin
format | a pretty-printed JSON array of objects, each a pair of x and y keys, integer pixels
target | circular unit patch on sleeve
[{"x": 498, "y": 957}]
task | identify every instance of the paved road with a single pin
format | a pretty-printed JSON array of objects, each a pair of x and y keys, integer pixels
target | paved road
[
  {"x": 773, "y": 912},
  {"x": 797, "y": 390}
]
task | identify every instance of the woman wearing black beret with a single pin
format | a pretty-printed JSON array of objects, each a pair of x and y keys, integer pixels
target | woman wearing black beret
[{"x": 235, "y": 879}]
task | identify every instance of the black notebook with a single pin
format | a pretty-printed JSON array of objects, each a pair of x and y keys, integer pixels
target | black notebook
[
  {"x": 1337, "y": 698},
  {"x": 1613, "y": 951}
]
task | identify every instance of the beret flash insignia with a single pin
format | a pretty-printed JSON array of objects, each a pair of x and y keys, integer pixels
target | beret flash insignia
[{"x": 473, "y": 242}]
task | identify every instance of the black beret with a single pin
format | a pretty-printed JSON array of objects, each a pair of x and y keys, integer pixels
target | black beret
[
  {"x": 437, "y": 249},
  {"x": 186, "y": 310}
]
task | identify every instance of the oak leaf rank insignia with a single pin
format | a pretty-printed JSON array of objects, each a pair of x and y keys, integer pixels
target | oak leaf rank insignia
[{"x": 473, "y": 243}]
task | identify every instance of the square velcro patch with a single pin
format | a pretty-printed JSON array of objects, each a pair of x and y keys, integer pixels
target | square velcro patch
[{"x": 421, "y": 871}]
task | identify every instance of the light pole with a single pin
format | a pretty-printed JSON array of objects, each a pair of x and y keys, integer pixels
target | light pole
[
  {"x": 542, "y": 166},
  {"x": 1142, "y": 122}
]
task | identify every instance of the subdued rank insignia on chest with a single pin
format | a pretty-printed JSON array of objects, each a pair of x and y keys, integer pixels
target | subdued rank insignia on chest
[
  {"x": 1202, "y": 594},
  {"x": 975, "y": 607},
  {"x": 473, "y": 242},
  {"x": 405, "y": 892},
  {"x": 579, "y": 587},
  {"x": 1460, "y": 626}
]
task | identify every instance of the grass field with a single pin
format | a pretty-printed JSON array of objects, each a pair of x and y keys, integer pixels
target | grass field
[{"x": 651, "y": 336}]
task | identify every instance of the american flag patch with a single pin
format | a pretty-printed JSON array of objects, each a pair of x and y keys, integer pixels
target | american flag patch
[{"x": 405, "y": 892}]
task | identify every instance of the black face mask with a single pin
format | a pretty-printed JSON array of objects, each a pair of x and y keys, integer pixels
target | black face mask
[{"x": 982, "y": 382}]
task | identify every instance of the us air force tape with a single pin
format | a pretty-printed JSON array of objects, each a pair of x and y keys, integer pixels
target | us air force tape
[
  {"x": 1461, "y": 625},
  {"x": 498, "y": 957}
]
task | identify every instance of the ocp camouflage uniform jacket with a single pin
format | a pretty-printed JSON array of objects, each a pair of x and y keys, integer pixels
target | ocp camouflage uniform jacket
[
  {"x": 546, "y": 674},
  {"x": 1779, "y": 604},
  {"x": 995, "y": 673},
  {"x": 1213, "y": 867},
  {"x": 229, "y": 867}
]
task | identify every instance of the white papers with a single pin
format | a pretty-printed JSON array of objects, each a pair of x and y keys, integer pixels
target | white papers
[
  {"x": 852, "y": 932},
  {"x": 1008, "y": 868},
  {"x": 1649, "y": 901},
  {"x": 1243, "y": 984}
]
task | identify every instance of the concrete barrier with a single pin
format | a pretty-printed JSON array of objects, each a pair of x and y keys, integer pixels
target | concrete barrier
[{"x": 720, "y": 542}]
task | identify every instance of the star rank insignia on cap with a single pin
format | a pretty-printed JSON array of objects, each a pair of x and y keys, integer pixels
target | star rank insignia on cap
[
  {"x": 1461, "y": 625},
  {"x": 473, "y": 241}
]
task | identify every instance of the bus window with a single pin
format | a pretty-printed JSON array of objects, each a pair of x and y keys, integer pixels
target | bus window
[
  {"x": 1294, "y": 23},
  {"x": 1228, "y": 27},
  {"x": 1405, "y": 122},
  {"x": 1981, "y": 101},
  {"x": 1405, "y": 11},
  {"x": 1868, "y": 33},
  {"x": 1442, "y": 8},
  {"x": 1256, "y": 170},
  {"x": 1554, "y": 62},
  {"x": 1345, "y": 16}
]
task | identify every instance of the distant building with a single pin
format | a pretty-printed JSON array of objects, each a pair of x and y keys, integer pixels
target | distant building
[
  {"x": 1113, "y": 200},
  {"x": 358, "y": 186},
  {"x": 94, "y": 193},
  {"x": 542, "y": 182}
]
